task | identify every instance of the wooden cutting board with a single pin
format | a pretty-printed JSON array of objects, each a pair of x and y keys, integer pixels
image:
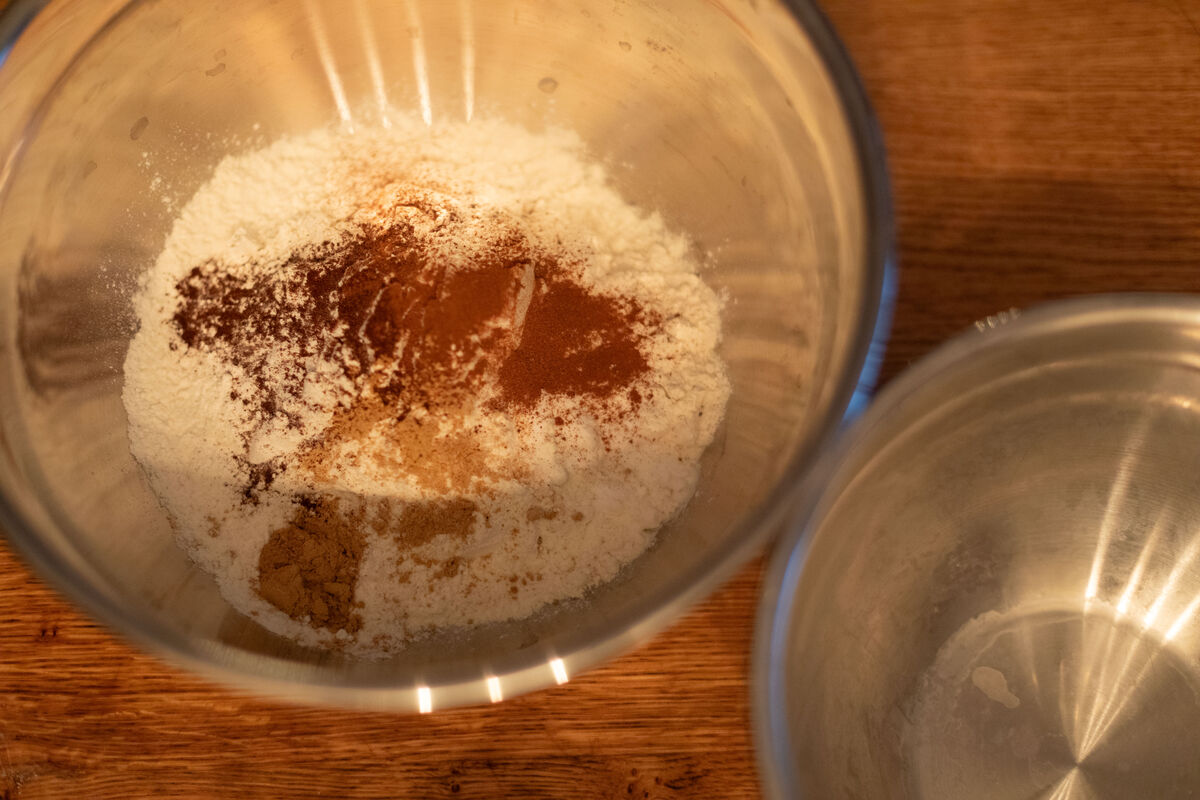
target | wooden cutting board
[{"x": 1039, "y": 149}]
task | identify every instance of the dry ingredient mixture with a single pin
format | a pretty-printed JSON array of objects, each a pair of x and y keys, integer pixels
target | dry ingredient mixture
[{"x": 402, "y": 379}]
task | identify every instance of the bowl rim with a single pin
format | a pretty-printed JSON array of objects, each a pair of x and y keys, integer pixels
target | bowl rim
[
  {"x": 785, "y": 567},
  {"x": 303, "y": 683}
]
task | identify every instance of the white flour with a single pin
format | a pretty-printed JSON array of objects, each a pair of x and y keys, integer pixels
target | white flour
[{"x": 593, "y": 489}]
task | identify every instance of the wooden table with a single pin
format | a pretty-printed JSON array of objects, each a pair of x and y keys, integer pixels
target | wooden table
[{"x": 1039, "y": 149}]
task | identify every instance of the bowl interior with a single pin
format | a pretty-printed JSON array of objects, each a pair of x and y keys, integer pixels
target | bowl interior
[
  {"x": 718, "y": 115},
  {"x": 999, "y": 598}
]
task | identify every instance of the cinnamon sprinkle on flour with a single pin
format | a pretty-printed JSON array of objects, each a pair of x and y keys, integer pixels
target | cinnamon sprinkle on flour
[{"x": 379, "y": 374}]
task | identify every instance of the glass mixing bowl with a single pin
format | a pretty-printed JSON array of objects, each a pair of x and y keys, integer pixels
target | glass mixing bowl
[
  {"x": 741, "y": 122},
  {"x": 996, "y": 593}
]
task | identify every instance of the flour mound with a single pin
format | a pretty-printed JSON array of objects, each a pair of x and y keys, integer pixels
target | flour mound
[{"x": 342, "y": 491}]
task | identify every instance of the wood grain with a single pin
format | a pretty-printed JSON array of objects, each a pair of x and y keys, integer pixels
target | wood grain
[
  {"x": 82, "y": 715},
  {"x": 1038, "y": 150}
]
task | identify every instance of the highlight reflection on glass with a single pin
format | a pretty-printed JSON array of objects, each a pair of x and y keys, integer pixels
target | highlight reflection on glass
[
  {"x": 1110, "y": 520},
  {"x": 420, "y": 63},
  {"x": 468, "y": 56},
  {"x": 493, "y": 687},
  {"x": 559, "y": 669},
  {"x": 325, "y": 54},
  {"x": 371, "y": 48},
  {"x": 424, "y": 699},
  {"x": 1185, "y": 562}
]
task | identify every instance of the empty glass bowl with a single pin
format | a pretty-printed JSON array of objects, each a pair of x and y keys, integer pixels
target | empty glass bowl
[{"x": 996, "y": 595}]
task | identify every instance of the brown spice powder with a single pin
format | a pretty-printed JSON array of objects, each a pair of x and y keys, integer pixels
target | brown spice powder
[
  {"x": 411, "y": 444},
  {"x": 383, "y": 301},
  {"x": 308, "y": 569},
  {"x": 576, "y": 343},
  {"x": 419, "y": 335},
  {"x": 420, "y": 523}
]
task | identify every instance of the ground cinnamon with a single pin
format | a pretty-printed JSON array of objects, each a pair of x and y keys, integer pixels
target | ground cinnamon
[
  {"x": 575, "y": 343},
  {"x": 383, "y": 297}
]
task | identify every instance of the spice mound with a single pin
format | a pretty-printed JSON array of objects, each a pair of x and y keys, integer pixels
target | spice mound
[{"x": 396, "y": 380}]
